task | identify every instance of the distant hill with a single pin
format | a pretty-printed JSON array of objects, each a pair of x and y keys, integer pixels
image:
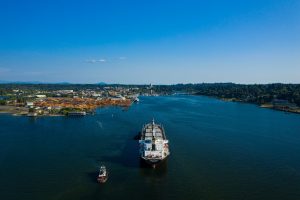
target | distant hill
[{"x": 101, "y": 83}]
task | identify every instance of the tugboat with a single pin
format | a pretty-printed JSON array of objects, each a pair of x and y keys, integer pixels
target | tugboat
[{"x": 103, "y": 175}]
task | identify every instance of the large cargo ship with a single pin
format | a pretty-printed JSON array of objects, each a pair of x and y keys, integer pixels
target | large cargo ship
[{"x": 154, "y": 147}]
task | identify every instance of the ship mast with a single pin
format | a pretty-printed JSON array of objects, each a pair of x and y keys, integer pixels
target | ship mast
[{"x": 153, "y": 128}]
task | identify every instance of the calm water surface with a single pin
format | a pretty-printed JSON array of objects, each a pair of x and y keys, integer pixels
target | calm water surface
[{"x": 219, "y": 150}]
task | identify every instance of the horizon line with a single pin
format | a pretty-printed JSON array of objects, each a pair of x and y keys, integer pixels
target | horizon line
[{"x": 2, "y": 82}]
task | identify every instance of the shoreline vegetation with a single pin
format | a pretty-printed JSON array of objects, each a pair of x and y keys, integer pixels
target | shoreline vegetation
[
  {"x": 277, "y": 96},
  {"x": 282, "y": 97},
  {"x": 283, "y": 107},
  {"x": 62, "y": 99}
]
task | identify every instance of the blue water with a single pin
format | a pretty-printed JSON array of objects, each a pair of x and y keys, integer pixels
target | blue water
[{"x": 219, "y": 150}]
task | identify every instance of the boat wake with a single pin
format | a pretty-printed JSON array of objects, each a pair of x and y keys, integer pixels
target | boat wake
[{"x": 100, "y": 124}]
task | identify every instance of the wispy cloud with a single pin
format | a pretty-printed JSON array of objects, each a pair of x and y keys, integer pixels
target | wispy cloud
[
  {"x": 103, "y": 60},
  {"x": 92, "y": 61}
]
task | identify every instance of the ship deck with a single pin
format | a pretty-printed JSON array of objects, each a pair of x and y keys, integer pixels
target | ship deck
[{"x": 153, "y": 130}]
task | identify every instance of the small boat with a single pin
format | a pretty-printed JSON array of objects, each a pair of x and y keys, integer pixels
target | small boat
[
  {"x": 77, "y": 113},
  {"x": 103, "y": 175}
]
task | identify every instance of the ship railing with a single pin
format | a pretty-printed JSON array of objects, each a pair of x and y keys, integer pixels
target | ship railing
[
  {"x": 163, "y": 132},
  {"x": 142, "y": 132}
]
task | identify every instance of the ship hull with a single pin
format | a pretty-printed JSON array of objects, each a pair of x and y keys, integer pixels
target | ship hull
[
  {"x": 152, "y": 162},
  {"x": 102, "y": 179}
]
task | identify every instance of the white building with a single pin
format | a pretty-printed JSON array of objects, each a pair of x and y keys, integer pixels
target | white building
[
  {"x": 40, "y": 96},
  {"x": 29, "y": 104}
]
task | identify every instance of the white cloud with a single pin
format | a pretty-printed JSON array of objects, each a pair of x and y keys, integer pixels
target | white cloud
[
  {"x": 101, "y": 60},
  {"x": 96, "y": 61}
]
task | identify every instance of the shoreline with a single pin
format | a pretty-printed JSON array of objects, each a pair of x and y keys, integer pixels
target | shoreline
[
  {"x": 24, "y": 112},
  {"x": 270, "y": 106},
  {"x": 265, "y": 105}
]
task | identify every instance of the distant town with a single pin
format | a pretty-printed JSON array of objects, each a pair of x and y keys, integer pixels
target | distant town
[
  {"x": 23, "y": 99},
  {"x": 59, "y": 100}
]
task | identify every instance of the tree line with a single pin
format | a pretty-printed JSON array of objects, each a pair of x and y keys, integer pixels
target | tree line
[{"x": 252, "y": 93}]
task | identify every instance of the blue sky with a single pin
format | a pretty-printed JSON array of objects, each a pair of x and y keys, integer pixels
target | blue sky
[{"x": 159, "y": 42}]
